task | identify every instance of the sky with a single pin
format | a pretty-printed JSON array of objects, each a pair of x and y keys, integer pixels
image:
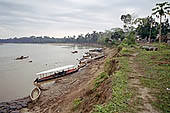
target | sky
[{"x": 59, "y": 18}]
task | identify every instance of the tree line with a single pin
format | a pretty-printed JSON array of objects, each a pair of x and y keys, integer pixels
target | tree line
[{"x": 147, "y": 29}]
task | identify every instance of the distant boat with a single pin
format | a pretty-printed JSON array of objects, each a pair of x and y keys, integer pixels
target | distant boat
[
  {"x": 96, "y": 50},
  {"x": 74, "y": 52},
  {"x": 86, "y": 55},
  {"x": 30, "y": 61},
  {"x": 35, "y": 94},
  {"x": 22, "y": 57},
  {"x": 56, "y": 73}
]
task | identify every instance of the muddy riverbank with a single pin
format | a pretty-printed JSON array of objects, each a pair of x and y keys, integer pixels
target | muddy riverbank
[
  {"x": 14, "y": 105},
  {"x": 59, "y": 94}
]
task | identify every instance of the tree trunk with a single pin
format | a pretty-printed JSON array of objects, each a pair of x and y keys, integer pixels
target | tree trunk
[
  {"x": 160, "y": 34},
  {"x": 150, "y": 34}
]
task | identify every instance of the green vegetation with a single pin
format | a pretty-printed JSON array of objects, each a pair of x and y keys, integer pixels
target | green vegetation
[
  {"x": 156, "y": 67},
  {"x": 103, "y": 76},
  {"x": 130, "y": 39},
  {"x": 122, "y": 93},
  {"x": 128, "y": 21},
  {"x": 109, "y": 68},
  {"x": 162, "y": 9},
  {"x": 154, "y": 64},
  {"x": 76, "y": 103},
  {"x": 147, "y": 28}
]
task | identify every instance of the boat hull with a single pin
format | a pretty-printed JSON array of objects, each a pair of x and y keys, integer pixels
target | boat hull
[
  {"x": 56, "y": 76},
  {"x": 35, "y": 94}
]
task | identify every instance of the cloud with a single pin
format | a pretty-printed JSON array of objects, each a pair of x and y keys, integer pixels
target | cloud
[{"x": 66, "y": 17}]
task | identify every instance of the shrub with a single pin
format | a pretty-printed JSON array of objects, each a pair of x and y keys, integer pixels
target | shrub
[
  {"x": 130, "y": 39},
  {"x": 76, "y": 103},
  {"x": 100, "y": 79}
]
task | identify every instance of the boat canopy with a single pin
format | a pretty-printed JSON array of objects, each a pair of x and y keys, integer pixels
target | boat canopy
[{"x": 55, "y": 70}]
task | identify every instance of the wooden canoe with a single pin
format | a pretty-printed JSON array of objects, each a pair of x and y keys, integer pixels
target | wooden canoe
[{"x": 35, "y": 94}]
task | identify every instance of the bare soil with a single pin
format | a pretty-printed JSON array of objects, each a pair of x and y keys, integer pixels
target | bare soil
[{"x": 59, "y": 96}]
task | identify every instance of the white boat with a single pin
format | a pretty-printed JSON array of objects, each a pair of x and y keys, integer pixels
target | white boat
[
  {"x": 56, "y": 73},
  {"x": 35, "y": 93}
]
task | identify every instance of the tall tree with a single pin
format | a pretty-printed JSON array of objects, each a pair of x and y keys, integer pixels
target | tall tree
[
  {"x": 128, "y": 20},
  {"x": 161, "y": 9},
  {"x": 117, "y": 34},
  {"x": 147, "y": 28}
]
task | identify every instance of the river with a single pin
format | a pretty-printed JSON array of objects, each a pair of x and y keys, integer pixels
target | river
[{"x": 17, "y": 76}]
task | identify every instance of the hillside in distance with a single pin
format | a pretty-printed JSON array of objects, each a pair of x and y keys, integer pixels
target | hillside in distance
[{"x": 33, "y": 39}]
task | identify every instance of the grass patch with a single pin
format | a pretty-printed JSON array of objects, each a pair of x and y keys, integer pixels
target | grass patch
[
  {"x": 127, "y": 51},
  {"x": 109, "y": 68},
  {"x": 121, "y": 94},
  {"x": 76, "y": 103},
  {"x": 155, "y": 66},
  {"x": 103, "y": 76}
]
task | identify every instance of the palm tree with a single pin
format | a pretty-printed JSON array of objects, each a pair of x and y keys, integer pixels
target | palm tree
[
  {"x": 151, "y": 23},
  {"x": 161, "y": 9}
]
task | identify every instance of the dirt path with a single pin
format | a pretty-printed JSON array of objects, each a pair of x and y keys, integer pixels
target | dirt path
[{"x": 142, "y": 92}]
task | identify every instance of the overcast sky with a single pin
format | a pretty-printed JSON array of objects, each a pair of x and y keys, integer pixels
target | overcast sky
[{"x": 59, "y": 18}]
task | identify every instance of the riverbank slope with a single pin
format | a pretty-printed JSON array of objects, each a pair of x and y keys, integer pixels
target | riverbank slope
[
  {"x": 60, "y": 95},
  {"x": 128, "y": 79}
]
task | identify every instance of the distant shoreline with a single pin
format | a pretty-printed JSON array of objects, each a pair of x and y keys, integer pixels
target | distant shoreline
[{"x": 84, "y": 44}]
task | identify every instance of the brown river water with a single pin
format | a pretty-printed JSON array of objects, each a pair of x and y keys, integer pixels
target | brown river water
[{"x": 17, "y": 76}]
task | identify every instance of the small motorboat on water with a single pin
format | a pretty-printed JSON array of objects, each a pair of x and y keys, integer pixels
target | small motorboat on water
[
  {"x": 35, "y": 94},
  {"x": 74, "y": 52},
  {"x": 22, "y": 57},
  {"x": 56, "y": 73}
]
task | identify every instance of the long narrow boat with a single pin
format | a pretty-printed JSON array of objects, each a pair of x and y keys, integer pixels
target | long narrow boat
[
  {"x": 56, "y": 73},
  {"x": 35, "y": 94}
]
